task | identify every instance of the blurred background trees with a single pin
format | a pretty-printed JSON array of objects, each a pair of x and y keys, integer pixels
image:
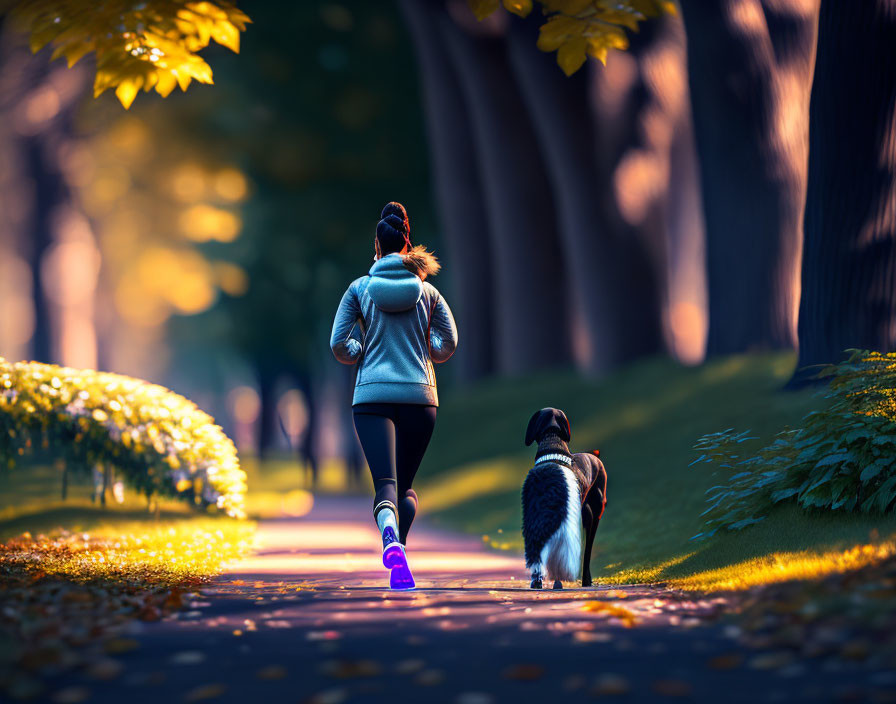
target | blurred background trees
[{"x": 653, "y": 205}]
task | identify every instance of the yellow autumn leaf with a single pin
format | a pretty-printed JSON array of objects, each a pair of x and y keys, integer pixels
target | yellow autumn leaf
[
  {"x": 483, "y": 8},
  {"x": 227, "y": 35},
  {"x": 557, "y": 30},
  {"x": 166, "y": 83},
  {"x": 567, "y": 7},
  {"x": 518, "y": 7},
  {"x": 598, "y": 52},
  {"x": 571, "y": 55},
  {"x": 75, "y": 52},
  {"x": 127, "y": 91}
]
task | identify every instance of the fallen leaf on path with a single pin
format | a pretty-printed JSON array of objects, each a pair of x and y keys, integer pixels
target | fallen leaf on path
[
  {"x": 592, "y": 637},
  {"x": 672, "y": 688},
  {"x": 408, "y": 667},
  {"x": 71, "y": 695},
  {"x": 625, "y": 616},
  {"x": 429, "y": 678},
  {"x": 328, "y": 696},
  {"x": 271, "y": 672},
  {"x": 323, "y": 635},
  {"x": 116, "y": 646},
  {"x": 187, "y": 657},
  {"x": 205, "y": 692},
  {"x": 727, "y": 661},
  {"x": 770, "y": 661},
  {"x": 610, "y": 685},
  {"x": 104, "y": 669},
  {"x": 474, "y": 698},
  {"x": 350, "y": 669},
  {"x": 524, "y": 672}
]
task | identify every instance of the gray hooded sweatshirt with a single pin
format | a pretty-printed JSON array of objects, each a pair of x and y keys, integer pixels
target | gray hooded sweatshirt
[{"x": 405, "y": 326}]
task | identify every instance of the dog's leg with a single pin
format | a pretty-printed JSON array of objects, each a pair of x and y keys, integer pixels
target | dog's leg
[
  {"x": 587, "y": 521},
  {"x": 594, "y": 504},
  {"x": 537, "y": 577},
  {"x": 558, "y": 584}
]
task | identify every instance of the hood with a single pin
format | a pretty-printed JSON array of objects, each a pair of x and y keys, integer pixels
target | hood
[{"x": 393, "y": 287}]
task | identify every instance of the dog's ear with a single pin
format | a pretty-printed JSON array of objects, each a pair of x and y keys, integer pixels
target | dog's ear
[
  {"x": 562, "y": 424},
  {"x": 535, "y": 424}
]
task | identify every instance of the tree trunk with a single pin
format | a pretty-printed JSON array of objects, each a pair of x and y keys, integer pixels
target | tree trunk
[
  {"x": 106, "y": 470},
  {"x": 267, "y": 417},
  {"x": 595, "y": 261},
  {"x": 849, "y": 261},
  {"x": 636, "y": 112},
  {"x": 686, "y": 247},
  {"x": 49, "y": 192},
  {"x": 749, "y": 69},
  {"x": 458, "y": 193},
  {"x": 307, "y": 450},
  {"x": 531, "y": 312}
]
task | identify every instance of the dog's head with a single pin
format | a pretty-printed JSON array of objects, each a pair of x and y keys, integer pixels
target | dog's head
[{"x": 547, "y": 421}]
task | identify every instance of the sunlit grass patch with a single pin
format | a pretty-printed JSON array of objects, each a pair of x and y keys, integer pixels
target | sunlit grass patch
[
  {"x": 179, "y": 553},
  {"x": 786, "y": 567},
  {"x": 643, "y": 574}
]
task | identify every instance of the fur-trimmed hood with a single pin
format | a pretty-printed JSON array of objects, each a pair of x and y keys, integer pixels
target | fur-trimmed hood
[
  {"x": 420, "y": 262},
  {"x": 396, "y": 280}
]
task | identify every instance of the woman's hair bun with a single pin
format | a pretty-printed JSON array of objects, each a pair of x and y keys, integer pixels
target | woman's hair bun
[
  {"x": 397, "y": 209},
  {"x": 391, "y": 235},
  {"x": 395, "y": 223},
  {"x": 393, "y": 231}
]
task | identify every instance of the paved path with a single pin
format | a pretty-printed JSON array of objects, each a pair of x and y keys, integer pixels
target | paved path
[{"x": 307, "y": 619}]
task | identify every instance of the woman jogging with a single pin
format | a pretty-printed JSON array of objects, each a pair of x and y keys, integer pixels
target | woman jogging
[{"x": 394, "y": 325}]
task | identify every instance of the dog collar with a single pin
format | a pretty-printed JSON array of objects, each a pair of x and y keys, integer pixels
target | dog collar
[{"x": 556, "y": 457}]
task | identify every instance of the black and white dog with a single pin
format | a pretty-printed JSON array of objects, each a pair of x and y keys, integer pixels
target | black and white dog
[{"x": 564, "y": 496}]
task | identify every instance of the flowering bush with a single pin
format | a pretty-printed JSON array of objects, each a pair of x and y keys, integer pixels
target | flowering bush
[
  {"x": 843, "y": 457},
  {"x": 161, "y": 443}
]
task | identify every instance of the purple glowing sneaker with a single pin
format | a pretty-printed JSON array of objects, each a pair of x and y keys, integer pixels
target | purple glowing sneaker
[{"x": 395, "y": 559}]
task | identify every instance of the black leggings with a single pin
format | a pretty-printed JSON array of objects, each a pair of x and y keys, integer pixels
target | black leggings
[{"x": 394, "y": 437}]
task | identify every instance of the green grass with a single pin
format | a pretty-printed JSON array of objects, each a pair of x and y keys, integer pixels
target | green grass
[{"x": 645, "y": 420}]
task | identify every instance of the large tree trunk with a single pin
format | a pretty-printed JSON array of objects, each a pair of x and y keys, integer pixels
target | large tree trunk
[
  {"x": 750, "y": 68},
  {"x": 849, "y": 260},
  {"x": 531, "y": 312},
  {"x": 458, "y": 192},
  {"x": 42, "y": 133},
  {"x": 600, "y": 270},
  {"x": 686, "y": 248},
  {"x": 638, "y": 108}
]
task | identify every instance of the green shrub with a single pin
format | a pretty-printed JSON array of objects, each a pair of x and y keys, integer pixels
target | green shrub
[
  {"x": 160, "y": 443},
  {"x": 843, "y": 458}
]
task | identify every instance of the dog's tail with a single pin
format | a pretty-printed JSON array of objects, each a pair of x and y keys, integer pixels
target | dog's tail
[{"x": 552, "y": 522}]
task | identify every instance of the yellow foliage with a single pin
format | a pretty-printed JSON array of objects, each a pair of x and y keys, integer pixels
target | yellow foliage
[
  {"x": 87, "y": 414},
  {"x": 138, "y": 46},
  {"x": 483, "y": 8},
  {"x": 576, "y": 29},
  {"x": 518, "y": 7}
]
